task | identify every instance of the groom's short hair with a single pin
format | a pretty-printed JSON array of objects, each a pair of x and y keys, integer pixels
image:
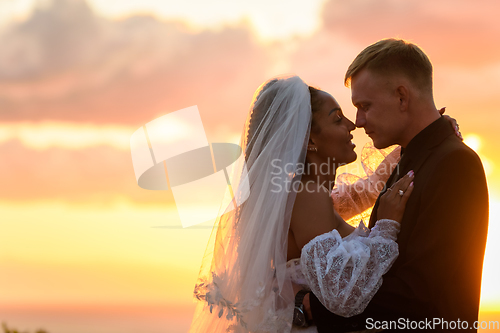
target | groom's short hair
[{"x": 394, "y": 56}]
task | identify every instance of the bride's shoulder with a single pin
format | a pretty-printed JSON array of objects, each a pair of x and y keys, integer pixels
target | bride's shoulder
[
  {"x": 312, "y": 214},
  {"x": 311, "y": 195}
]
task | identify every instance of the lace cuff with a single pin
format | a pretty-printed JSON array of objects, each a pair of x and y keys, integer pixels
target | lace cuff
[
  {"x": 386, "y": 228},
  {"x": 346, "y": 273}
]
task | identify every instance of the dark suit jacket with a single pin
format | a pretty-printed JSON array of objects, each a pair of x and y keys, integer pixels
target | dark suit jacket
[{"x": 441, "y": 243}]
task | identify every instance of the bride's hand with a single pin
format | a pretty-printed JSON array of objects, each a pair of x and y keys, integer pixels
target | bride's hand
[
  {"x": 453, "y": 123},
  {"x": 393, "y": 202}
]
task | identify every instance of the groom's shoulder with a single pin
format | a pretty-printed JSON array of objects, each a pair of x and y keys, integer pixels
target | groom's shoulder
[
  {"x": 453, "y": 157},
  {"x": 454, "y": 152}
]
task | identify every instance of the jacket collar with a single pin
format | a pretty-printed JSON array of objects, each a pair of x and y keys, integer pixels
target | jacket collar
[{"x": 419, "y": 148}]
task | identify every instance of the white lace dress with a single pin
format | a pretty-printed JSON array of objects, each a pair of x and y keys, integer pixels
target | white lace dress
[{"x": 345, "y": 273}]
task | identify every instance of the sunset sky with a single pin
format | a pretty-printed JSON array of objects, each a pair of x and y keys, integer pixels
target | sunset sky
[{"x": 77, "y": 78}]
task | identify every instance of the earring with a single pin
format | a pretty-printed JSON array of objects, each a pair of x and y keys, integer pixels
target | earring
[{"x": 312, "y": 149}]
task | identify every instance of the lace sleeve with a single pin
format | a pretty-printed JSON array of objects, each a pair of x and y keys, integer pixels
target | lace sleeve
[{"x": 344, "y": 274}]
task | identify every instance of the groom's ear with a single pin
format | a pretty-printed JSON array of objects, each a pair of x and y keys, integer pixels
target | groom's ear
[{"x": 403, "y": 94}]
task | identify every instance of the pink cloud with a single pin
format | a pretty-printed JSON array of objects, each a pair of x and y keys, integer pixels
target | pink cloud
[
  {"x": 97, "y": 175},
  {"x": 452, "y": 32},
  {"x": 67, "y": 64}
]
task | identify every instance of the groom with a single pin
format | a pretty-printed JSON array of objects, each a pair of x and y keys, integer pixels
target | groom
[{"x": 435, "y": 282}]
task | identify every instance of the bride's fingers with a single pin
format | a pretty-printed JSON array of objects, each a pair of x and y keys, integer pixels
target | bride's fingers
[
  {"x": 404, "y": 182},
  {"x": 393, "y": 202},
  {"x": 407, "y": 194},
  {"x": 453, "y": 122},
  {"x": 401, "y": 185}
]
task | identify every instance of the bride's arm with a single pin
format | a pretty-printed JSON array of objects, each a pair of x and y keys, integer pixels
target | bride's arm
[
  {"x": 352, "y": 199},
  {"x": 345, "y": 273},
  {"x": 312, "y": 215}
]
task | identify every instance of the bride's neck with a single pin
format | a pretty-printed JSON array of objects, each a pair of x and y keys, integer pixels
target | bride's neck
[{"x": 321, "y": 177}]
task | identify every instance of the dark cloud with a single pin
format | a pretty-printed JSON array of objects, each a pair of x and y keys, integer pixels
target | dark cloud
[
  {"x": 66, "y": 63},
  {"x": 54, "y": 39}
]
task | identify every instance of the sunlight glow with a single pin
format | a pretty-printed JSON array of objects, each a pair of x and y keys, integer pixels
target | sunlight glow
[
  {"x": 41, "y": 136},
  {"x": 14, "y": 10},
  {"x": 490, "y": 289},
  {"x": 473, "y": 141},
  {"x": 271, "y": 20},
  {"x": 111, "y": 254}
]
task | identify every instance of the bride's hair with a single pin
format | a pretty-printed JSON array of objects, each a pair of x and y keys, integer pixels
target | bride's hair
[
  {"x": 262, "y": 101},
  {"x": 316, "y": 103},
  {"x": 258, "y": 112}
]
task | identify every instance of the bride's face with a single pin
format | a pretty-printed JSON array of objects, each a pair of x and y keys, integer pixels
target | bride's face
[{"x": 331, "y": 133}]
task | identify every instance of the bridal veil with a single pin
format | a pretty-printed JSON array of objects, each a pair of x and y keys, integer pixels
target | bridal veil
[{"x": 242, "y": 285}]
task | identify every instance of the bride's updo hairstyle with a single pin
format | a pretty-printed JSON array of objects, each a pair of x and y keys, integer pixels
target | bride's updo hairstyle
[
  {"x": 316, "y": 103},
  {"x": 263, "y": 99}
]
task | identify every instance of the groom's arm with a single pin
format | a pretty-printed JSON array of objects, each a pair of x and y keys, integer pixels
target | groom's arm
[{"x": 444, "y": 254}]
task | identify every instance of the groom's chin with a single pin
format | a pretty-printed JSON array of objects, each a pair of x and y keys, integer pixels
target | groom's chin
[
  {"x": 380, "y": 145},
  {"x": 354, "y": 158}
]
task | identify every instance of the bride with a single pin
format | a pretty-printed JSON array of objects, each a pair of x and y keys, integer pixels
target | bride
[{"x": 285, "y": 234}]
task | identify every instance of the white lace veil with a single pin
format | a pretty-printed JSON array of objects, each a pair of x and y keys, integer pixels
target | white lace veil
[{"x": 242, "y": 286}]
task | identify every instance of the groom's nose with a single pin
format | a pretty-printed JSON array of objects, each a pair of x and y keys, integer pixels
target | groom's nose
[{"x": 360, "y": 119}]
